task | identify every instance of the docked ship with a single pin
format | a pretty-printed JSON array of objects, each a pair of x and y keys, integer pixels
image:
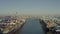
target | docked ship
[{"x": 10, "y": 25}]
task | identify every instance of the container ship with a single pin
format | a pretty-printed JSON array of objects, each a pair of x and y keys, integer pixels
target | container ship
[{"x": 9, "y": 25}]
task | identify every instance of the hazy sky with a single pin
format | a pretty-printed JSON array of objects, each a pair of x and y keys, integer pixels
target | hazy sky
[{"x": 29, "y": 7}]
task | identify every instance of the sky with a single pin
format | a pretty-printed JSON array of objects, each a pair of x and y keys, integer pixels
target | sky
[{"x": 29, "y": 7}]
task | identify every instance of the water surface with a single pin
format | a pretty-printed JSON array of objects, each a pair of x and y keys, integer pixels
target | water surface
[{"x": 32, "y": 26}]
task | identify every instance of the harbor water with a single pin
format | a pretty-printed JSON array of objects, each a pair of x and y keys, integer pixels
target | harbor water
[{"x": 32, "y": 26}]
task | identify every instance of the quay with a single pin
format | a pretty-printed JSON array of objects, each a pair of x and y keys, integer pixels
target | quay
[{"x": 9, "y": 25}]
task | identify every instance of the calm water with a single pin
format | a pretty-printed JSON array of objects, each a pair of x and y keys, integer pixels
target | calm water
[{"x": 32, "y": 26}]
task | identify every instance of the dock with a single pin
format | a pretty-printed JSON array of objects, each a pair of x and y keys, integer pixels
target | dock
[{"x": 10, "y": 25}]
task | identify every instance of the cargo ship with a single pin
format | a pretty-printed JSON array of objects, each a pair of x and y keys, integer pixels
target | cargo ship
[{"x": 10, "y": 25}]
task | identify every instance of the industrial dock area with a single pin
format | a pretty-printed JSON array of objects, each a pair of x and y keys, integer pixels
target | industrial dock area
[
  {"x": 9, "y": 25},
  {"x": 29, "y": 16},
  {"x": 30, "y": 25}
]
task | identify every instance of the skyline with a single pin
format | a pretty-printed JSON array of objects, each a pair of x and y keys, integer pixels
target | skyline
[{"x": 29, "y": 7}]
